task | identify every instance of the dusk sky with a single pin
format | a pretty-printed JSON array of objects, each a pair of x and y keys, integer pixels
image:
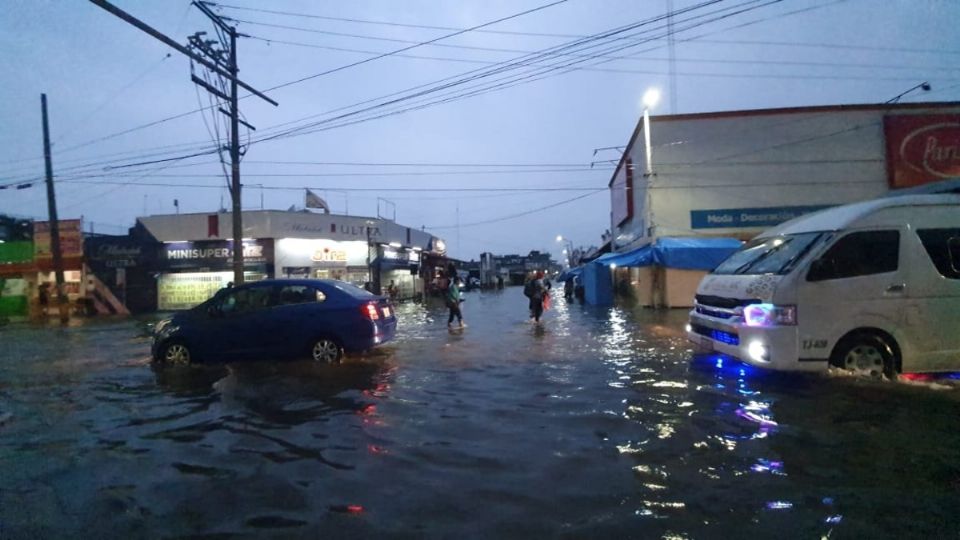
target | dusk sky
[{"x": 103, "y": 77}]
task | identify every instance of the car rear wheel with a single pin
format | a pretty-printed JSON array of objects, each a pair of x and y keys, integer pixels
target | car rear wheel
[
  {"x": 176, "y": 353},
  {"x": 326, "y": 351},
  {"x": 867, "y": 355}
]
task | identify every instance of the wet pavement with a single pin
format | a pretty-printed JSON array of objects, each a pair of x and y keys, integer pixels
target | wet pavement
[{"x": 599, "y": 423}]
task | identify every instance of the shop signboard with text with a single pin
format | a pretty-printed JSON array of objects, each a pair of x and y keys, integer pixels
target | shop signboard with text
[
  {"x": 71, "y": 239},
  {"x": 921, "y": 148},
  {"x": 320, "y": 253},
  {"x": 737, "y": 218},
  {"x": 214, "y": 254}
]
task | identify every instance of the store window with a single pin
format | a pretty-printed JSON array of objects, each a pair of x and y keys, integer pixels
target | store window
[
  {"x": 943, "y": 247},
  {"x": 300, "y": 294},
  {"x": 858, "y": 254}
]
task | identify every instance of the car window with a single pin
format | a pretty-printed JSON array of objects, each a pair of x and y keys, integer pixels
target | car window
[
  {"x": 246, "y": 300},
  {"x": 858, "y": 254},
  {"x": 943, "y": 247},
  {"x": 299, "y": 294}
]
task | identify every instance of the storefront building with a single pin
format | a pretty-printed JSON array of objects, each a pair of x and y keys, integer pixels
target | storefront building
[
  {"x": 734, "y": 174},
  {"x": 737, "y": 173},
  {"x": 196, "y": 260}
]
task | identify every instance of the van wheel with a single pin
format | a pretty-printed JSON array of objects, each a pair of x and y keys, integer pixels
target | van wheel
[
  {"x": 326, "y": 351},
  {"x": 868, "y": 355}
]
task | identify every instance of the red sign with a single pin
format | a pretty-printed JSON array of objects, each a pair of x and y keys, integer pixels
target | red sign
[
  {"x": 71, "y": 239},
  {"x": 922, "y": 148}
]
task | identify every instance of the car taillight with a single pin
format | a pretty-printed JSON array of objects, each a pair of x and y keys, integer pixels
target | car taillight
[{"x": 370, "y": 311}]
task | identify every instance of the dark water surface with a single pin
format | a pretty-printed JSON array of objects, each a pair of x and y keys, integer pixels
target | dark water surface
[{"x": 600, "y": 423}]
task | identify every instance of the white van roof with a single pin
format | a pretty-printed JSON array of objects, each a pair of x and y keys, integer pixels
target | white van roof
[{"x": 841, "y": 217}]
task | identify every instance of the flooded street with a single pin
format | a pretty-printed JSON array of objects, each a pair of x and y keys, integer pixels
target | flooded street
[{"x": 600, "y": 423}]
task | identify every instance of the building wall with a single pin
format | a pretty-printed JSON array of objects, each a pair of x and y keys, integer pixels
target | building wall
[{"x": 740, "y": 165}]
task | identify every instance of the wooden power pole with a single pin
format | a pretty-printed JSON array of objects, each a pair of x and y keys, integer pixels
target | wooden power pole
[{"x": 52, "y": 210}]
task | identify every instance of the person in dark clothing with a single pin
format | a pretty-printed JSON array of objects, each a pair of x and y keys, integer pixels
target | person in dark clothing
[
  {"x": 453, "y": 302},
  {"x": 535, "y": 291},
  {"x": 568, "y": 289}
]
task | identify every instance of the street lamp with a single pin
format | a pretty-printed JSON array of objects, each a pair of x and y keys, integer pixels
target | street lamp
[
  {"x": 569, "y": 251},
  {"x": 650, "y": 99}
]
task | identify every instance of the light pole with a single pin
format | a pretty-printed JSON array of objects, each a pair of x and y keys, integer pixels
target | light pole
[
  {"x": 650, "y": 99},
  {"x": 569, "y": 248}
]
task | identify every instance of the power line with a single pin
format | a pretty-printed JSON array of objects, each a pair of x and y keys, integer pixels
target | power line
[
  {"x": 337, "y": 188},
  {"x": 521, "y": 214},
  {"x": 420, "y": 44},
  {"x": 465, "y": 77},
  {"x": 510, "y": 80},
  {"x": 630, "y": 57},
  {"x": 580, "y": 36},
  {"x": 383, "y": 23}
]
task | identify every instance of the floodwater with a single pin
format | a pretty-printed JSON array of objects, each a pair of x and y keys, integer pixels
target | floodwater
[{"x": 599, "y": 423}]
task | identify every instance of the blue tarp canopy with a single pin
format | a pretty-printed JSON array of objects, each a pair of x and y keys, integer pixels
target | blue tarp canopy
[
  {"x": 570, "y": 273},
  {"x": 682, "y": 253}
]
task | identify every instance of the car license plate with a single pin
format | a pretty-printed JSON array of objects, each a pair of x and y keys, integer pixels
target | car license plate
[{"x": 386, "y": 312}]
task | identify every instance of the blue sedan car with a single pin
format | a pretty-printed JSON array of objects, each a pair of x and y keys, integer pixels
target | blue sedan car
[{"x": 319, "y": 319}]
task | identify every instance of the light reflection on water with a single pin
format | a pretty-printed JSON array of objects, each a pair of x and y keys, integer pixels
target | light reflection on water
[{"x": 599, "y": 422}]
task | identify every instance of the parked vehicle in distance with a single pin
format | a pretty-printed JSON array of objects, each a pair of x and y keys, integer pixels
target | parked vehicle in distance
[
  {"x": 872, "y": 287},
  {"x": 318, "y": 319}
]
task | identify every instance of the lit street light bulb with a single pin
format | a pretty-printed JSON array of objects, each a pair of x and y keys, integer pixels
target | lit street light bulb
[{"x": 651, "y": 97}]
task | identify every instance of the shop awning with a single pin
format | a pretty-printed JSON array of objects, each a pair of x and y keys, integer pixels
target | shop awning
[{"x": 681, "y": 253}]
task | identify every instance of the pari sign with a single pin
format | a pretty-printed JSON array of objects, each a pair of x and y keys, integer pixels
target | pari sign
[
  {"x": 736, "y": 218},
  {"x": 922, "y": 148}
]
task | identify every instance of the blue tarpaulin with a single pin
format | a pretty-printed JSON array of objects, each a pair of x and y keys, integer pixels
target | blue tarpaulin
[
  {"x": 570, "y": 273},
  {"x": 682, "y": 253}
]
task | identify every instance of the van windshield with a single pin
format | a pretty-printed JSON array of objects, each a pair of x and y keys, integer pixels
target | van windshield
[{"x": 772, "y": 255}]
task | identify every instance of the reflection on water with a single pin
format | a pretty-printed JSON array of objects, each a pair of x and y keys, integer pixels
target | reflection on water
[{"x": 598, "y": 422}]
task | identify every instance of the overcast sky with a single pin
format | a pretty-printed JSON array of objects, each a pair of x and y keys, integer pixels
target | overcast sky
[{"x": 103, "y": 77}]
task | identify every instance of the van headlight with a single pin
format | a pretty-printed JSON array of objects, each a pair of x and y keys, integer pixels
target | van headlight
[{"x": 769, "y": 315}]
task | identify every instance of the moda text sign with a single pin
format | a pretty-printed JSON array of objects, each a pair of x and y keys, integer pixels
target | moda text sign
[{"x": 734, "y": 218}]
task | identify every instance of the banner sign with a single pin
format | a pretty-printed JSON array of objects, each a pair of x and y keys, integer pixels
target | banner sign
[
  {"x": 122, "y": 252},
  {"x": 733, "y": 218},
  {"x": 71, "y": 239},
  {"x": 183, "y": 291},
  {"x": 213, "y": 253},
  {"x": 921, "y": 148}
]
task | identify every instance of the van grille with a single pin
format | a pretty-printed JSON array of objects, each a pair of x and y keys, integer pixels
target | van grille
[
  {"x": 716, "y": 335},
  {"x": 726, "y": 303}
]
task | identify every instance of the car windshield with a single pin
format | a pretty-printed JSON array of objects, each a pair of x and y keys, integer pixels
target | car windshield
[{"x": 771, "y": 255}]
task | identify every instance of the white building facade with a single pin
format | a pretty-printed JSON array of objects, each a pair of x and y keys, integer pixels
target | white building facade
[{"x": 737, "y": 173}]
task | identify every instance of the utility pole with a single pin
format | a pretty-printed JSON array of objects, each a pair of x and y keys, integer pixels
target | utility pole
[
  {"x": 52, "y": 210},
  {"x": 235, "y": 161},
  {"x": 214, "y": 61}
]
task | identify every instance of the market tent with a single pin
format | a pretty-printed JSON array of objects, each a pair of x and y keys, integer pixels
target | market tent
[
  {"x": 570, "y": 273},
  {"x": 681, "y": 253}
]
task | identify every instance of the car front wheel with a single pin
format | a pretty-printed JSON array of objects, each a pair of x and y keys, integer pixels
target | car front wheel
[
  {"x": 326, "y": 351},
  {"x": 176, "y": 353}
]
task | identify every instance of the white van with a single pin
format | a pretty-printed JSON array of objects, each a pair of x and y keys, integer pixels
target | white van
[{"x": 872, "y": 287}]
